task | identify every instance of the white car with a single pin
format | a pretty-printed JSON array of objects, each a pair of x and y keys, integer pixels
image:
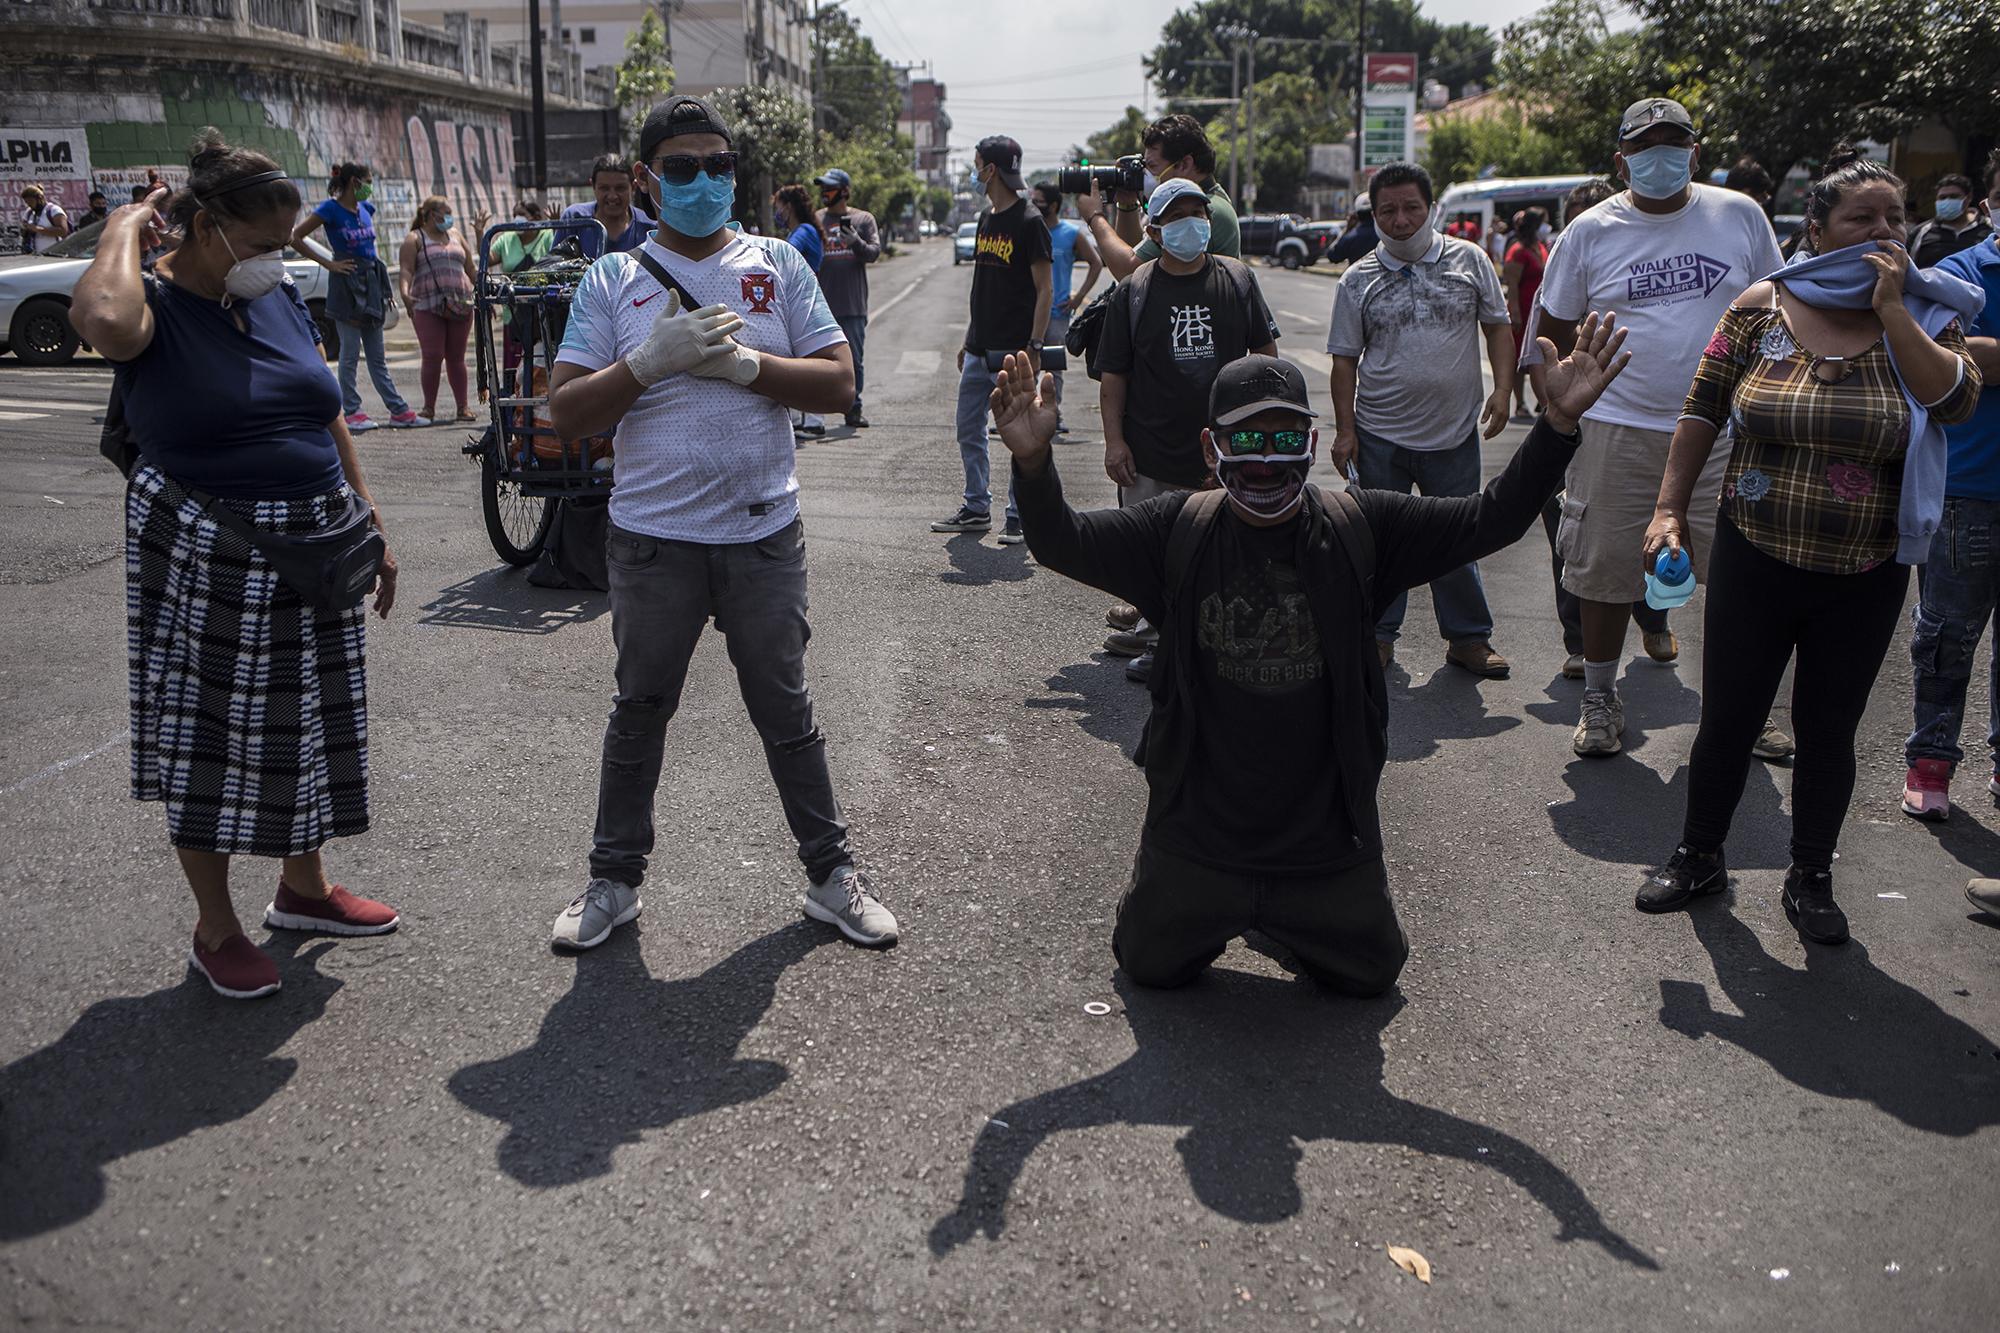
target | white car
[
  {"x": 35, "y": 289},
  {"x": 964, "y": 246}
]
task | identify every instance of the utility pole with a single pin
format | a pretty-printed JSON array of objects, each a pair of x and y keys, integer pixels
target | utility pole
[
  {"x": 819, "y": 76},
  {"x": 1249, "y": 198},
  {"x": 1360, "y": 94},
  {"x": 562, "y": 47},
  {"x": 1235, "y": 32},
  {"x": 538, "y": 130}
]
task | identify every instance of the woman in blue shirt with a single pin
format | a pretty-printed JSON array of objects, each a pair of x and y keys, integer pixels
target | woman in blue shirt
[
  {"x": 358, "y": 295},
  {"x": 794, "y": 210},
  {"x": 248, "y": 707}
]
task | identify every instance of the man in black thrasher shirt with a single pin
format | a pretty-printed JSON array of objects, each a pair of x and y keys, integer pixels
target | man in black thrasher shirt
[
  {"x": 1012, "y": 286},
  {"x": 1269, "y": 727}
]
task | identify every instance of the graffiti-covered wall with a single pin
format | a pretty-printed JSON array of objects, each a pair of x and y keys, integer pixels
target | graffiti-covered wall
[{"x": 102, "y": 126}]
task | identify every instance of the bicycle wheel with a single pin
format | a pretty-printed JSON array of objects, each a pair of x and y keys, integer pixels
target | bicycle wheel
[{"x": 517, "y": 523}]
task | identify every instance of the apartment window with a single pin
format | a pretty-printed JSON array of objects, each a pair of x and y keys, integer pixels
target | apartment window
[
  {"x": 565, "y": 36},
  {"x": 588, "y": 35}
]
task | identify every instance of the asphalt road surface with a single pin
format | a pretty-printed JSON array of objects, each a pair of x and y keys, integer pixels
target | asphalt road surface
[{"x": 727, "y": 1119}]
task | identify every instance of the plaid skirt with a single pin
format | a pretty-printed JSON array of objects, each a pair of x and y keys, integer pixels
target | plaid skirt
[{"x": 249, "y": 709}]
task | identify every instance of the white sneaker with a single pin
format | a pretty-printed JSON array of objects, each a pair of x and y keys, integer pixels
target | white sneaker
[
  {"x": 1600, "y": 729},
  {"x": 600, "y": 909},
  {"x": 842, "y": 899}
]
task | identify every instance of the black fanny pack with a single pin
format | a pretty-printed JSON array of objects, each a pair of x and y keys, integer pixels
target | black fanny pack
[{"x": 331, "y": 569}]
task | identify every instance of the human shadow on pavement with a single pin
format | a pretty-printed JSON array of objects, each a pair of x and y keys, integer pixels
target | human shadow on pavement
[
  {"x": 1839, "y": 1027},
  {"x": 1447, "y": 706},
  {"x": 1107, "y": 705},
  {"x": 1623, "y": 812},
  {"x": 502, "y": 600},
  {"x": 1969, "y": 842},
  {"x": 624, "y": 1052},
  {"x": 974, "y": 564},
  {"x": 1250, "y": 1067},
  {"x": 140, "y": 1072}
]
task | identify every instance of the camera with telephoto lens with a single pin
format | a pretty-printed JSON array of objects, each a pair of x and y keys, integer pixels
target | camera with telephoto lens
[{"x": 1127, "y": 175}]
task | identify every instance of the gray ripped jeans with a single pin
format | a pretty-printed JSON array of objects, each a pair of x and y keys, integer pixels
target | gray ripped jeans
[{"x": 663, "y": 594}]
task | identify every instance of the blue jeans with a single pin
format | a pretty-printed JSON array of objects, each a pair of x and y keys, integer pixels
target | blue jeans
[
  {"x": 663, "y": 594},
  {"x": 353, "y": 339},
  {"x": 1458, "y": 598},
  {"x": 856, "y": 330},
  {"x": 975, "y": 387},
  {"x": 1958, "y": 587}
]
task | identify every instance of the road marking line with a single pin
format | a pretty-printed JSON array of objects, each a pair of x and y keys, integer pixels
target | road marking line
[
  {"x": 920, "y": 362},
  {"x": 896, "y": 300},
  {"x": 22, "y": 416},
  {"x": 51, "y": 407},
  {"x": 71, "y": 762},
  {"x": 1305, "y": 319},
  {"x": 1318, "y": 362}
]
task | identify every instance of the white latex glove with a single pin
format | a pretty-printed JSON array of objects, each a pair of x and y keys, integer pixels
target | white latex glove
[
  {"x": 679, "y": 339},
  {"x": 729, "y": 360}
]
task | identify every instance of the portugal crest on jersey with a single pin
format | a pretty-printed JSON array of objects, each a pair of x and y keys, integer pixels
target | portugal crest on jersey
[{"x": 759, "y": 289}]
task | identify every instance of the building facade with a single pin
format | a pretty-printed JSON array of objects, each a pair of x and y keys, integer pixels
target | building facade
[
  {"x": 929, "y": 127},
  {"x": 712, "y": 43}
]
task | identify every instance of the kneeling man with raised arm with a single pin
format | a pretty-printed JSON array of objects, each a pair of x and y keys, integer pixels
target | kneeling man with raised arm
[{"x": 1269, "y": 727}]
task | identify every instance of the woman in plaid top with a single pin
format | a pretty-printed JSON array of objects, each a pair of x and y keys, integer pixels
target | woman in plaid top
[{"x": 1835, "y": 376}]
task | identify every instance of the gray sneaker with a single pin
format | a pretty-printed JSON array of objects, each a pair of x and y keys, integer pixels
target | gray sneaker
[
  {"x": 842, "y": 899},
  {"x": 1601, "y": 728},
  {"x": 600, "y": 909}
]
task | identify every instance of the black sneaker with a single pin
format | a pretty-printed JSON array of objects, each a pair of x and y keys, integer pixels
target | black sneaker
[
  {"x": 1011, "y": 533},
  {"x": 1809, "y": 903},
  {"x": 1140, "y": 668},
  {"x": 967, "y": 519},
  {"x": 812, "y": 432},
  {"x": 855, "y": 421},
  {"x": 1687, "y": 874}
]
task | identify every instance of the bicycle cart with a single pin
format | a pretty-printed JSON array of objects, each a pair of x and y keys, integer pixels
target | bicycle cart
[{"x": 526, "y": 469}]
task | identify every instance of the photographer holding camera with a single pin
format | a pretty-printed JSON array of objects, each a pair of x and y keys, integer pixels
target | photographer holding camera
[{"x": 1176, "y": 148}]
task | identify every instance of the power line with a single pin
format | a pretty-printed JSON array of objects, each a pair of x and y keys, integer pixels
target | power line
[{"x": 1051, "y": 73}]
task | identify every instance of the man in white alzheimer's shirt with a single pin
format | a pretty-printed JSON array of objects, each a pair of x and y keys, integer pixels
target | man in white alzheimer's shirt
[{"x": 695, "y": 346}]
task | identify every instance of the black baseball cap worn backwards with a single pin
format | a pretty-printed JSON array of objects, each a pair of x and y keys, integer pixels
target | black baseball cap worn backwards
[
  {"x": 1256, "y": 384},
  {"x": 1005, "y": 156},
  {"x": 677, "y": 116}
]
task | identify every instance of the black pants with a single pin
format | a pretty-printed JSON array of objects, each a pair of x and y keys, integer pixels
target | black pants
[
  {"x": 1177, "y": 918},
  {"x": 1569, "y": 607},
  {"x": 1761, "y": 610}
]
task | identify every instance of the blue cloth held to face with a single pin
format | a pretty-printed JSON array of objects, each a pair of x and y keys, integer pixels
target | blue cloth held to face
[{"x": 1845, "y": 280}]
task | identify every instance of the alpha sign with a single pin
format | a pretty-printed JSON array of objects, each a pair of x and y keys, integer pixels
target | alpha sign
[{"x": 43, "y": 153}]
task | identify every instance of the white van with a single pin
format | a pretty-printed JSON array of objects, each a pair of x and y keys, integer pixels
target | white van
[{"x": 1482, "y": 201}]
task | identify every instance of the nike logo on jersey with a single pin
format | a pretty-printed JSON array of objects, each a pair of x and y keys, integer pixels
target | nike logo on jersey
[{"x": 642, "y": 300}]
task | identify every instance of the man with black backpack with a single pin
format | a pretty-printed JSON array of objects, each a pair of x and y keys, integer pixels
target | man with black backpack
[
  {"x": 1269, "y": 728},
  {"x": 1169, "y": 328}
]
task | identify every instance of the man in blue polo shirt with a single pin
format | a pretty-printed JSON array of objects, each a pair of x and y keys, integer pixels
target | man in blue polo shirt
[{"x": 1960, "y": 584}]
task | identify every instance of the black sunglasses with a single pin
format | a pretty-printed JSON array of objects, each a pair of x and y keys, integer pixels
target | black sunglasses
[
  {"x": 680, "y": 168},
  {"x": 1244, "y": 442}
]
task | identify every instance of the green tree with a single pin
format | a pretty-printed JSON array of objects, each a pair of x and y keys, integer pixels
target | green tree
[
  {"x": 1292, "y": 114},
  {"x": 1460, "y": 148},
  {"x": 1114, "y": 141},
  {"x": 935, "y": 203},
  {"x": 644, "y": 76},
  {"x": 859, "y": 97},
  {"x": 884, "y": 183},
  {"x": 1578, "y": 75},
  {"x": 773, "y": 138}
]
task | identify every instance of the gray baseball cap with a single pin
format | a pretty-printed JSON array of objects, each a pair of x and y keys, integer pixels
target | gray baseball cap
[{"x": 1642, "y": 115}]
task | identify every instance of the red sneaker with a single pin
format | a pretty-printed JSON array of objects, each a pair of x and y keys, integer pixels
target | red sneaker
[
  {"x": 237, "y": 968},
  {"x": 1927, "y": 790},
  {"x": 339, "y": 913}
]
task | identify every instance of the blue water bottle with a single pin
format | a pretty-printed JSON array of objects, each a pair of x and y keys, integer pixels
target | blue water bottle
[{"x": 1672, "y": 581}]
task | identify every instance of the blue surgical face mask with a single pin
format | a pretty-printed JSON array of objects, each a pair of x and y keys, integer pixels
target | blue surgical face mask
[
  {"x": 444, "y": 223},
  {"x": 1948, "y": 210},
  {"x": 1185, "y": 238},
  {"x": 1661, "y": 172},
  {"x": 699, "y": 208}
]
